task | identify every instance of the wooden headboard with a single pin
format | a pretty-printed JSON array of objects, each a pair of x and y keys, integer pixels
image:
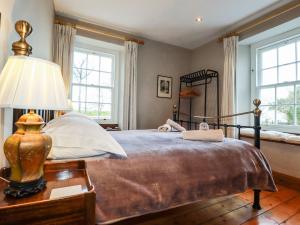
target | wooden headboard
[{"x": 47, "y": 115}]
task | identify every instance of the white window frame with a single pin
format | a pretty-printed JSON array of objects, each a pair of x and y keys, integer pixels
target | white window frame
[
  {"x": 277, "y": 40},
  {"x": 94, "y": 48}
]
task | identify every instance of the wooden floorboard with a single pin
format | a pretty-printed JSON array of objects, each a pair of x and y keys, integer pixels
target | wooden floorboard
[
  {"x": 278, "y": 214},
  {"x": 294, "y": 220},
  {"x": 278, "y": 208}
]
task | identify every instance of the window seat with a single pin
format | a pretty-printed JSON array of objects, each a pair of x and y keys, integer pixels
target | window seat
[{"x": 274, "y": 136}]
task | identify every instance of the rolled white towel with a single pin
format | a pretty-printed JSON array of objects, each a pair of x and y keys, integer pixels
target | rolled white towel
[
  {"x": 203, "y": 135},
  {"x": 175, "y": 125},
  {"x": 165, "y": 128}
]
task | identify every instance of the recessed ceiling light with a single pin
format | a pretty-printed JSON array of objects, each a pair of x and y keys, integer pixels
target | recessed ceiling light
[{"x": 199, "y": 19}]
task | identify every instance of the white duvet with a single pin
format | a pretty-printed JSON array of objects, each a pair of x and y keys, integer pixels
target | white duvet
[{"x": 75, "y": 135}]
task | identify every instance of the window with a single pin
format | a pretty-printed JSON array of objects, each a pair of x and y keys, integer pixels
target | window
[
  {"x": 278, "y": 84},
  {"x": 93, "y": 84}
]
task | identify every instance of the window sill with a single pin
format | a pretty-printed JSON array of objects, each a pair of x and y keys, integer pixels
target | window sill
[
  {"x": 286, "y": 129},
  {"x": 273, "y": 136}
]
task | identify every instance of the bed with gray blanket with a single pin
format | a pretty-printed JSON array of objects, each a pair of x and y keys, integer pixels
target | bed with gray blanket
[{"x": 164, "y": 171}]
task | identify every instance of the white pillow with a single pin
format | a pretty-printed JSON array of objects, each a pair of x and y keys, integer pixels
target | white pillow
[
  {"x": 75, "y": 153},
  {"x": 75, "y": 135}
]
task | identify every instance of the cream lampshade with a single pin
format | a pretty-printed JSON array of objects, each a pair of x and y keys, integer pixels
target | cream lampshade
[{"x": 32, "y": 83}]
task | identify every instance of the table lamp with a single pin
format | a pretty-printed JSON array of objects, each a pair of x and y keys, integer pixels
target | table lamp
[{"x": 29, "y": 83}]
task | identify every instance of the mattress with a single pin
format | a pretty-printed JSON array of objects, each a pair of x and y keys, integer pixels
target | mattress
[{"x": 164, "y": 171}]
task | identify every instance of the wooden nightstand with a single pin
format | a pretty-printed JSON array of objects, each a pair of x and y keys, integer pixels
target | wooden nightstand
[
  {"x": 38, "y": 209},
  {"x": 110, "y": 127}
]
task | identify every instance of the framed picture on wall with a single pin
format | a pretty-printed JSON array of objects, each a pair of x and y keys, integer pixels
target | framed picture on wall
[{"x": 164, "y": 86}]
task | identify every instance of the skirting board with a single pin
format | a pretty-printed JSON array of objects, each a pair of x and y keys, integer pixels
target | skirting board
[{"x": 289, "y": 181}]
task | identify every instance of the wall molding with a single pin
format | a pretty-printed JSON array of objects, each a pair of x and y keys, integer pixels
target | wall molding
[{"x": 286, "y": 180}]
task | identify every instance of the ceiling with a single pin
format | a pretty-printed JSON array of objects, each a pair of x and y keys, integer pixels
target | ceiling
[{"x": 168, "y": 21}]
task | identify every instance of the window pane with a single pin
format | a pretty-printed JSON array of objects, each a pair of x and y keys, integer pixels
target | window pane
[
  {"x": 298, "y": 115},
  {"x": 106, "y": 64},
  {"x": 269, "y": 76},
  {"x": 75, "y": 93},
  {"x": 269, "y": 58},
  {"x": 105, "y": 79},
  {"x": 268, "y": 115},
  {"x": 93, "y": 62},
  {"x": 267, "y": 96},
  {"x": 80, "y": 59},
  {"x": 92, "y": 109},
  {"x": 82, "y": 107},
  {"x": 105, "y": 95},
  {"x": 79, "y": 76},
  {"x": 287, "y": 73},
  {"x": 89, "y": 72},
  {"x": 92, "y": 77},
  {"x": 76, "y": 75},
  {"x": 298, "y": 94},
  {"x": 75, "y": 106},
  {"x": 298, "y": 50},
  {"x": 92, "y": 94},
  {"x": 287, "y": 54},
  {"x": 285, "y": 95},
  {"x": 285, "y": 115},
  {"x": 105, "y": 111},
  {"x": 298, "y": 69},
  {"x": 82, "y": 94}
]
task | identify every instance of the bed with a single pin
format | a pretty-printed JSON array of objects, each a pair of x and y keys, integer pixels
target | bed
[
  {"x": 163, "y": 171},
  {"x": 172, "y": 172}
]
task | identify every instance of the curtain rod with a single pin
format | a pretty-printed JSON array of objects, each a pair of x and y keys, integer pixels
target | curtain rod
[
  {"x": 101, "y": 32},
  {"x": 238, "y": 32}
]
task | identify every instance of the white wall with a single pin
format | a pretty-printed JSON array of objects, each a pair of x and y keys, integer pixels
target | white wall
[
  {"x": 155, "y": 58},
  {"x": 208, "y": 56},
  {"x": 283, "y": 158},
  {"x": 40, "y": 14},
  {"x": 6, "y": 8}
]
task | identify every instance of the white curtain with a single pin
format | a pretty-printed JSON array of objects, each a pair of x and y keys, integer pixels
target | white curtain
[
  {"x": 63, "y": 45},
  {"x": 130, "y": 86},
  {"x": 228, "y": 91}
]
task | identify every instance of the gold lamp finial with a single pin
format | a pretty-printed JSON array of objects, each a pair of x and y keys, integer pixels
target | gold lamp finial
[{"x": 21, "y": 47}]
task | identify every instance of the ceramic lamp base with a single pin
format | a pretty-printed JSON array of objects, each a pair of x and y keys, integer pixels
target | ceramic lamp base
[
  {"x": 26, "y": 151},
  {"x": 20, "y": 190}
]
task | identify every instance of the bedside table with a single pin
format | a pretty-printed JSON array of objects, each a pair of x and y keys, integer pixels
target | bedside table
[
  {"x": 110, "y": 127},
  {"x": 38, "y": 209}
]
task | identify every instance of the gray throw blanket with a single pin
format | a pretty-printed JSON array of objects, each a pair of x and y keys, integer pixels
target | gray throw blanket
[{"x": 164, "y": 171}]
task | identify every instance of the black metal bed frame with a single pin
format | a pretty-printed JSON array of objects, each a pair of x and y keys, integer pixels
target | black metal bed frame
[
  {"x": 49, "y": 114},
  {"x": 256, "y": 112}
]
